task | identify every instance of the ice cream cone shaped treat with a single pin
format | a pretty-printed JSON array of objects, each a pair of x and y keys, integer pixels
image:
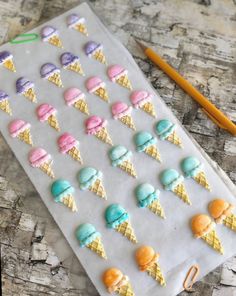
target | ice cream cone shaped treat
[
  {"x": 203, "y": 227},
  {"x": 89, "y": 237},
  {"x": 46, "y": 112},
  {"x": 118, "y": 74},
  {"x": 39, "y": 158},
  {"x": 148, "y": 197},
  {"x": 76, "y": 22},
  {"x": 118, "y": 219},
  {"x": 146, "y": 259},
  {"x": 120, "y": 157},
  {"x": 4, "y": 102},
  {"x": 20, "y": 129},
  {"x": 122, "y": 112},
  {"x": 69, "y": 145},
  {"x": 167, "y": 131},
  {"x": 97, "y": 87},
  {"x": 146, "y": 143},
  {"x": 62, "y": 191},
  {"x": 95, "y": 50},
  {"x": 51, "y": 35},
  {"x": 91, "y": 179},
  {"x": 173, "y": 181},
  {"x": 75, "y": 97},
  {"x": 6, "y": 60},
  {"x": 26, "y": 88},
  {"x": 222, "y": 212},
  {"x": 71, "y": 62},
  {"x": 116, "y": 282},
  {"x": 51, "y": 73},
  {"x": 141, "y": 99},
  {"x": 96, "y": 126},
  {"x": 192, "y": 168}
]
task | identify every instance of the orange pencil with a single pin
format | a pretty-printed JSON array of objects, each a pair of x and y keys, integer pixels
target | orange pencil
[{"x": 215, "y": 114}]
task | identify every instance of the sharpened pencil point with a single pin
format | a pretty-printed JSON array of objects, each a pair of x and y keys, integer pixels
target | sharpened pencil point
[{"x": 141, "y": 45}]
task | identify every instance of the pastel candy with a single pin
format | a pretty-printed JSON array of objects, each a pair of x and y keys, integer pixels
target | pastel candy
[
  {"x": 3, "y": 95},
  {"x": 137, "y": 97},
  {"x": 115, "y": 71},
  {"x": 143, "y": 140},
  {"x": 17, "y": 126},
  {"x": 120, "y": 109},
  {"x": 48, "y": 69},
  {"x": 115, "y": 215},
  {"x": 4, "y": 55},
  {"x": 145, "y": 256},
  {"x": 87, "y": 176},
  {"x": 44, "y": 111},
  {"x": 219, "y": 209},
  {"x": 94, "y": 83},
  {"x": 61, "y": 189},
  {"x": 146, "y": 194},
  {"x": 66, "y": 142},
  {"x": 164, "y": 128},
  {"x": 68, "y": 58},
  {"x": 112, "y": 277},
  {"x": 191, "y": 166},
  {"x": 47, "y": 32},
  {"x": 23, "y": 84},
  {"x": 91, "y": 47},
  {"x": 201, "y": 224},
  {"x": 118, "y": 154},
  {"x": 170, "y": 178},
  {"x": 38, "y": 156},
  {"x": 72, "y": 95},
  {"x": 74, "y": 19},
  {"x": 94, "y": 123},
  {"x": 86, "y": 233}
]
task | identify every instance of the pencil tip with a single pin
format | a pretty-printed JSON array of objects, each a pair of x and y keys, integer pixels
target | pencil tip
[{"x": 141, "y": 45}]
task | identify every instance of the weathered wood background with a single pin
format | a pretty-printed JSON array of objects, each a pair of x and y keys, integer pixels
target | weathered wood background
[{"x": 198, "y": 37}]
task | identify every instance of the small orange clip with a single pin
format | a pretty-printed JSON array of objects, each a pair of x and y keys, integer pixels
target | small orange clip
[{"x": 191, "y": 277}]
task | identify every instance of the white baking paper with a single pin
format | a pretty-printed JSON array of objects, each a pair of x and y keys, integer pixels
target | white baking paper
[{"x": 172, "y": 237}]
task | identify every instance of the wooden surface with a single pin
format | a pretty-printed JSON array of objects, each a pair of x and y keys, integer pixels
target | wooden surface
[{"x": 198, "y": 37}]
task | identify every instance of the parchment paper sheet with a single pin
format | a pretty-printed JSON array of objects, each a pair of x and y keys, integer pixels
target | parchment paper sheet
[{"x": 172, "y": 237}]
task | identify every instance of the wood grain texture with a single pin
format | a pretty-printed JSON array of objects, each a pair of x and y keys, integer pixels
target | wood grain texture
[{"x": 198, "y": 38}]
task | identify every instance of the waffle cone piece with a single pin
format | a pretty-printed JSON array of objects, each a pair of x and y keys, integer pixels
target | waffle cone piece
[
  {"x": 75, "y": 154},
  {"x": 124, "y": 81},
  {"x": 155, "y": 271},
  {"x": 128, "y": 120},
  {"x": 126, "y": 230},
  {"x": 104, "y": 136},
  {"x": 53, "y": 122},
  {"x": 98, "y": 189},
  {"x": 56, "y": 41},
  {"x": 149, "y": 109},
  {"x": 81, "y": 28},
  {"x": 128, "y": 167},
  {"x": 181, "y": 192},
  {"x": 76, "y": 67},
  {"x": 97, "y": 247},
  {"x": 99, "y": 56},
  {"x": 56, "y": 79},
  {"x": 201, "y": 179},
  {"x": 69, "y": 201},
  {"x": 30, "y": 94},
  {"x": 25, "y": 136},
  {"x": 153, "y": 152},
  {"x": 230, "y": 222},
  {"x": 157, "y": 209},
  {"x": 8, "y": 64},
  {"x": 174, "y": 139},
  {"x": 82, "y": 106},
  {"x": 125, "y": 290},
  {"x": 102, "y": 93},
  {"x": 46, "y": 167},
  {"x": 213, "y": 241},
  {"x": 5, "y": 106}
]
